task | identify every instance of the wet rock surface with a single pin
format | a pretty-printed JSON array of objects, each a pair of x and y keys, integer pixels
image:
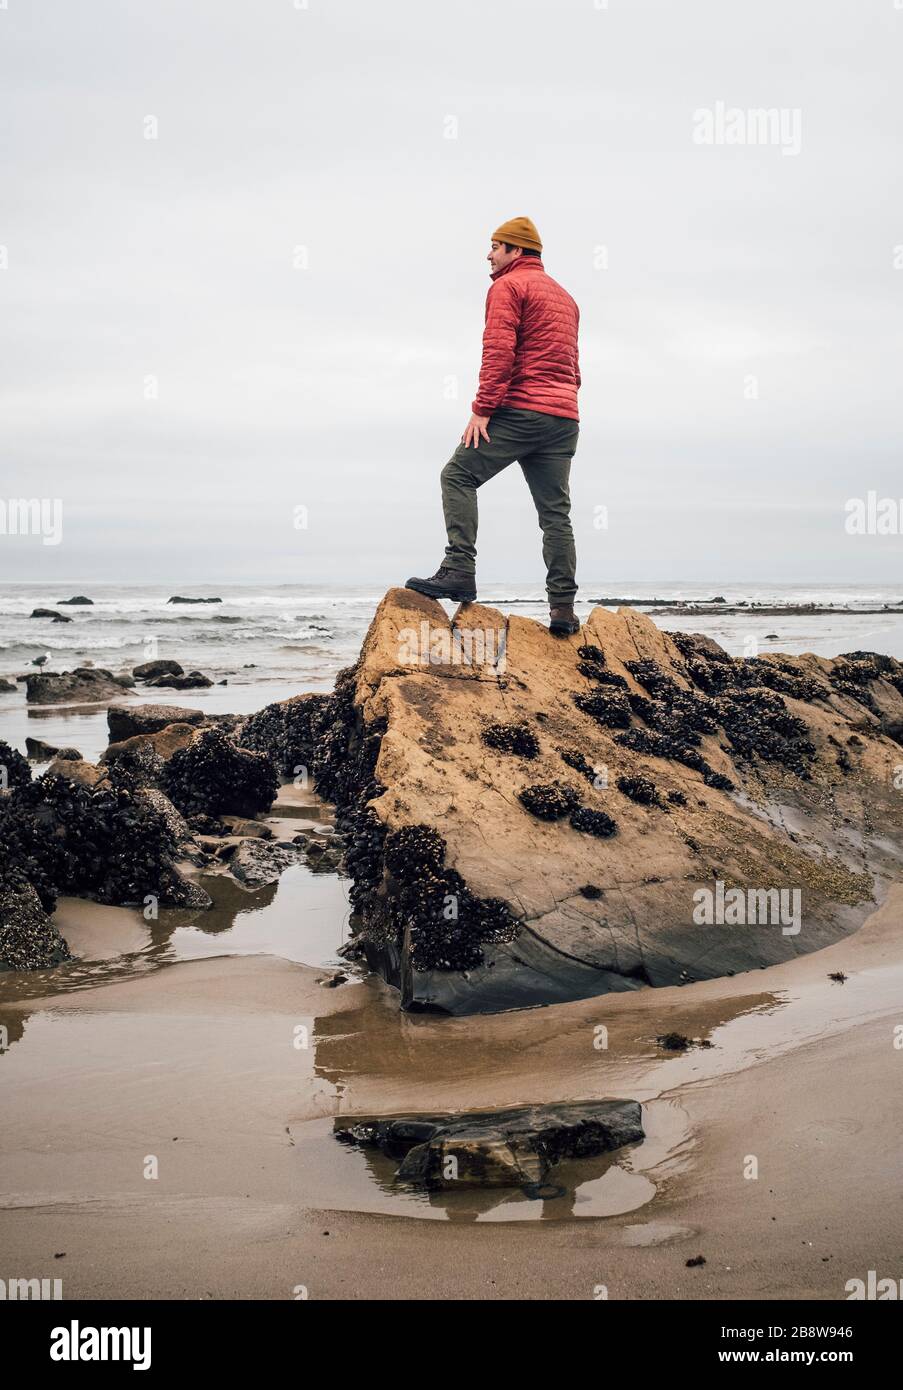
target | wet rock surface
[
  {"x": 41, "y": 752},
  {"x": 162, "y": 666},
  {"x": 257, "y": 862},
  {"x": 190, "y": 680},
  {"x": 470, "y": 857},
  {"x": 496, "y": 1148},
  {"x": 125, "y": 721},
  {"x": 86, "y": 684}
]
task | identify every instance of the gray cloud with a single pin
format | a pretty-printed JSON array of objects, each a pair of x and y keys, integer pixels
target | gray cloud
[{"x": 333, "y": 386}]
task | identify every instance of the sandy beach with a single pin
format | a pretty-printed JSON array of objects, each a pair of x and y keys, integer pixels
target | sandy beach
[{"x": 200, "y": 1063}]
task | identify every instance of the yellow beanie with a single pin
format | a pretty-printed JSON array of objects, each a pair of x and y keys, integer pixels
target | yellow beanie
[{"x": 519, "y": 231}]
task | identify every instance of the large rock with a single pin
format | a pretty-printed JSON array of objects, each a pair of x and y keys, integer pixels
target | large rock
[
  {"x": 84, "y": 685},
  {"x": 213, "y": 774},
  {"x": 146, "y": 755},
  {"x": 107, "y": 839},
  {"x": 51, "y": 613},
  {"x": 162, "y": 666},
  {"x": 496, "y": 1148},
  {"x": 532, "y": 819},
  {"x": 78, "y": 770},
  {"x": 125, "y": 721},
  {"x": 79, "y": 599}
]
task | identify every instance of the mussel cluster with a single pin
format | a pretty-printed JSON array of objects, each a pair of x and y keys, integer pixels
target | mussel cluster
[
  {"x": 608, "y": 707},
  {"x": 213, "y": 776},
  {"x": 759, "y": 724},
  {"x": 677, "y": 798},
  {"x": 364, "y": 857},
  {"x": 786, "y": 679},
  {"x": 549, "y": 800},
  {"x": 641, "y": 789},
  {"x": 756, "y": 719},
  {"x": 593, "y": 822},
  {"x": 18, "y": 772},
  {"x": 288, "y": 731},
  {"x": 674, "y": 719},
  {"x": 713, "y": 671},
  {"x": 553, "y": 801},
  {"x": 29, "y": 939},
  {"x": 511, "y": 738},
  {"x": 578, "y": 761},
  {"x": 650, "y": 675},
  {"x": 449, "y": 925},
  {"x": 101, "y": 842},
  {"x": 601, "y": 675},
  {"x": 590, "y": 652}
]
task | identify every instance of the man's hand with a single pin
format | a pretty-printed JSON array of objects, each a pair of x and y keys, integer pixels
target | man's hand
[{"x": 476, "y": 427}]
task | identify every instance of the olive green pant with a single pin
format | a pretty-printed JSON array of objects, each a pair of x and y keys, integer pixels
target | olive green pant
[{"x": 543, "y": 445}]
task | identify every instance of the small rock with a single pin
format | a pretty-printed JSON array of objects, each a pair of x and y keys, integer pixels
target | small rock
[{"x": 257, "y": 862}]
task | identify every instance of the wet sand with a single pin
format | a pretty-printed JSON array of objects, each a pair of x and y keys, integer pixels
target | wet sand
[{"x": 179, "y": 1043}]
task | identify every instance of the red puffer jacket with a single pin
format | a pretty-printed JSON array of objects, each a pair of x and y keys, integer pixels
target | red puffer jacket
[{"x": 530, "y": 358}]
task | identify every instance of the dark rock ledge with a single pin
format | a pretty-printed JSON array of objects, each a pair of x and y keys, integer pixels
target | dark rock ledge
[{"x": 496, "y": 1148}]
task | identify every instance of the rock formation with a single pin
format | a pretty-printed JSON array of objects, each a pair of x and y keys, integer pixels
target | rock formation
[{"x": 532, "y": 819}]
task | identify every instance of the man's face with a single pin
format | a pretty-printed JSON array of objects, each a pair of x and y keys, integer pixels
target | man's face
[{"x": 498, "y": 257}]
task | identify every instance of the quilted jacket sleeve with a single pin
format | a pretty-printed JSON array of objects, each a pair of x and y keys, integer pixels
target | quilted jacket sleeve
[{"x": 503, "y": 311}]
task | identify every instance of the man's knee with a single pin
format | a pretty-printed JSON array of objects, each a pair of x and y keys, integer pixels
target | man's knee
[{"x": 457, "y": 470}]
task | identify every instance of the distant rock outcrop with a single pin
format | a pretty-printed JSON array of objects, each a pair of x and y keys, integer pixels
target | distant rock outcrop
[
  {"x": 84, "y": 685},
  {"x": 162, "y": 666},
  {"x": 532, "y": 819}
]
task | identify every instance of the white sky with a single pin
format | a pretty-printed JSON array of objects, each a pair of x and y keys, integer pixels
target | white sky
[{"x": 327, "y": 387}]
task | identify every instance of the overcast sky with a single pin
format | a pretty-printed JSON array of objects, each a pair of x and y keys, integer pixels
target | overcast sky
[{"x": 295, "y": 265}]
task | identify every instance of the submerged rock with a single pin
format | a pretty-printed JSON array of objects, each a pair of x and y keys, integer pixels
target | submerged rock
[
  {"x": 496, "y": 1148},
  {"x": 467, "y": 900},
  {"x": 193, "y": 680}
]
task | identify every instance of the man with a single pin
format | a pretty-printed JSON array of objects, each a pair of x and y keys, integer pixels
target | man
[{"x": 525, "y": 409}]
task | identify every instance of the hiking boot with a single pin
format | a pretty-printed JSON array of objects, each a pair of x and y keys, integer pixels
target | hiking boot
[
  {"x": 563, "y": 621},
  {"x": 446, "y": 583}
]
